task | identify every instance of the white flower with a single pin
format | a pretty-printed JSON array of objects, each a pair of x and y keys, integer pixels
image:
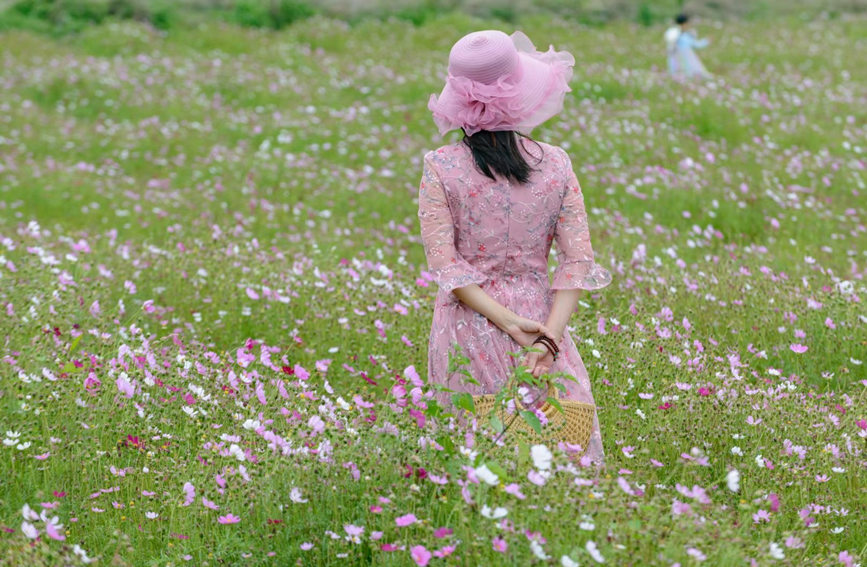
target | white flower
[
  {"x": 237, "y": 452},
  {"x": 486, "y": 475},
  {"x": 494, "y": 514},
  {"x": 468, "y": 453},
  {"x": 594, "y": 552},
  {"x": 587, "y": 526},
  {"x": 29, "y": 513},
  {"x": 295, "y": 496},
  {"x": 567, "y": 561},
  {"x": 152, "y": 515},
  {"x": 29, "y": 530},
  {"x": 776, "y": 551},
  {"x": 838, "y": 530},
  {"x": 22, "y": 446},
  {"x": 838, "y": 469},
  {"x": 81, "y": 553},
  {"x": 252, "y": 424},
  {"x": 760, "y": 461},
  {"x": 733, "y": 480},
  {"x": 737, "y": 451},
  {"x": 541, "y": 457},
  {"x": 537, "y": 550}
]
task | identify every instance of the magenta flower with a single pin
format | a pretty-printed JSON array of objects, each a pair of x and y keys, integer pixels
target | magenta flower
[
  {"x": 443, "y": 532},
  {"x": 774, "y": 500},
  {"x": 420, "y": 555},
  {"x": 406, "y": 520},
  {"x": 499, "y": 544},
  {"x": 229, "y": 519}
]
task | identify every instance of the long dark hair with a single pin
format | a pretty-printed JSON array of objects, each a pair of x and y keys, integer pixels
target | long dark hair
[{"x": 499, "y": 153}]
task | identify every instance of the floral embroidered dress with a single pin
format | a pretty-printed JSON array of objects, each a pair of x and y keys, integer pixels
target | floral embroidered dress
[{"x": 498, "y": 234}]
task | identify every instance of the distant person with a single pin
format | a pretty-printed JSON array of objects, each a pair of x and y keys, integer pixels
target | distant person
[
  {"x": 681, "y": 44},
  {"x": 490, "y": 206}
]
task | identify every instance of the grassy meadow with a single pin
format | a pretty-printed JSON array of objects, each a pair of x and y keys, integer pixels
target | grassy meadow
[{"x": 214, "y": 304}]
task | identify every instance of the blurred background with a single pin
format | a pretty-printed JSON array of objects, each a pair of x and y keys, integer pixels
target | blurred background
[{"x": 63, "y": 16}]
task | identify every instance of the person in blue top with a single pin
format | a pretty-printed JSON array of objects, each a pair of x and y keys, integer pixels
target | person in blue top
[{"x": 681, "y": 44}]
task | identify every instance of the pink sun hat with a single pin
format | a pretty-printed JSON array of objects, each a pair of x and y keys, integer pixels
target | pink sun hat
[{"x": 500, "y": 82}]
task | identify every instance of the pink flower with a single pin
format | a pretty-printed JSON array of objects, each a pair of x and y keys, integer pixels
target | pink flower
[
  {"x": 124, "y": 386},
  {"x": 301, "y": 372},
  {"x": 499, "y": 544},
  {"x": 406, "y": 520},
  {"x": 190, "y": 494},
  {"x": 443, "y": 532},
  {"x": 846, "y": 559},
  {"x": 444, "y": 551},
  {"x": 798, "y": 348},
  {"x": 229, "y": 519},
  {"x": 420, "y": 555},
  {"x": 761, "y": 516},
  {"x": 679, "y": 508},
  {"x": 352, "y": 530},
  {"x": 514, "y": 490},
  {"x": 794, "y": 542},
  {"x": 208, "y": 504}
]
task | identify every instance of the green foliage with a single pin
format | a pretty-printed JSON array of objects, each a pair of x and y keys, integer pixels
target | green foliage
[
  {"x": 67, "y": 16},
  {"x": 273, "y": 14}
]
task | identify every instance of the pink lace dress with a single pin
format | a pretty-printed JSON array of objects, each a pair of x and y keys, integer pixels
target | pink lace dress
[{"x": 498, "y": 234}]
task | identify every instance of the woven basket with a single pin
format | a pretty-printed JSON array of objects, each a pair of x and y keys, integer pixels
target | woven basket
[{"x": 573, "y": 425}]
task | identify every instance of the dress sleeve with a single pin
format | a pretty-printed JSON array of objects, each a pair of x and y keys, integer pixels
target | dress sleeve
[
  {"x": 575, "y": 266},
  {"x": 449, "y": 268}
]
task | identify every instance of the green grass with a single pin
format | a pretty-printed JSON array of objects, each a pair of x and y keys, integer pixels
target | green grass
[{"x": 213, "y": 164}]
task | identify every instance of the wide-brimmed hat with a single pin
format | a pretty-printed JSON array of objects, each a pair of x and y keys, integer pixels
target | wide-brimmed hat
[{"x": 499, "y": 82}]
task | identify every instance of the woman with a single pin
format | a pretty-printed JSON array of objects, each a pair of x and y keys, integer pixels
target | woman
[
  {"x": 682, "y": 43},
  {"x": 490, "y": 207}
]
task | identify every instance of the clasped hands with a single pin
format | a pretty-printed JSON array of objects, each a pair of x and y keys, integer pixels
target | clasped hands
[{"x": 524, "y": 331}]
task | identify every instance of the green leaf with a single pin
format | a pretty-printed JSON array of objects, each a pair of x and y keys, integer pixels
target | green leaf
[
  {"x": 523, "y": 452},
  {"x": 532, "y": 420},
  {"x": 496, "y": 423},
  {"x": 75, "y": 342},
  {"x": 495, "y": 468},
  {"x": 560, "y": 387},
  {"x": 433, "y": 409},
  {"x": 464, "y": 401},
  {"x": 556, "y": 403},
  {"x": 447, "y": 444}
]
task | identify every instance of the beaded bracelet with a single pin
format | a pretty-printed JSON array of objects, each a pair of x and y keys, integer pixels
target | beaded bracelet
[{"x": 549, "y": 344}]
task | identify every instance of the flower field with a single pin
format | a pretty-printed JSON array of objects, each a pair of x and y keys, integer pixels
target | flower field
[{"x": 214, "y": 304}]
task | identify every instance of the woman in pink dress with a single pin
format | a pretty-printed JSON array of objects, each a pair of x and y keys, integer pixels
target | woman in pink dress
[{"x": 490, "y": 207}]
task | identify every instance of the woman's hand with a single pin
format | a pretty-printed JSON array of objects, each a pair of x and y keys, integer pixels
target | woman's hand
[
  {"x": 539, "y": 363},
  {"x": 524, "y": 331}
]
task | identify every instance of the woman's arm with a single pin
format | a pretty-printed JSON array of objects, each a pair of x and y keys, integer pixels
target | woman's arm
[
  {"x": 576, "y": 266},
  {"x": 522, "y": 330}
]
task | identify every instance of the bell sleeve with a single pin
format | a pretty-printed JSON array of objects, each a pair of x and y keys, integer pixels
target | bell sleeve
[
  {"x": 450, "y": 270},
  {"x": 576, "y": 268}
]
